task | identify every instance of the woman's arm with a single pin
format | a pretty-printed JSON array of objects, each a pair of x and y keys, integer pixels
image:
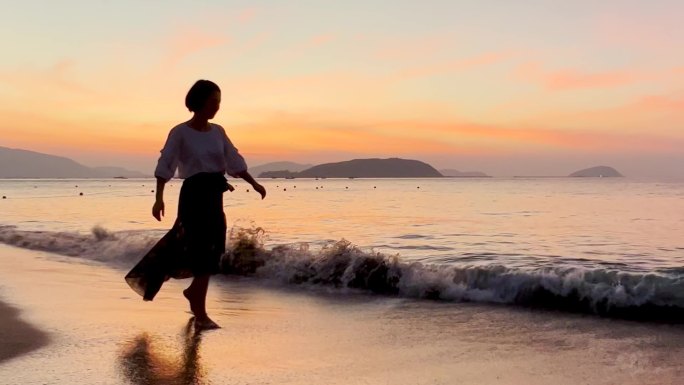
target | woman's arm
[
  {"x": 248, "y": 178},
  {"x": 166, "y": 168},
  {"x": 235, "y": 161},
  {"x": 170, "y": 155},
  {"x": 158, "y": 208}
]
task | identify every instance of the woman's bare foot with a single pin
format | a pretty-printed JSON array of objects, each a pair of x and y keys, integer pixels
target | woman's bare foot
[
  {"x": 196, "y": 294},
  {"x": 205, "y": 323},
  {"x": 187, "y": 293}
]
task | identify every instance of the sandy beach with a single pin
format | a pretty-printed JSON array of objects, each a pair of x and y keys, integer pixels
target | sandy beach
[{"x": 100, "y": 332}]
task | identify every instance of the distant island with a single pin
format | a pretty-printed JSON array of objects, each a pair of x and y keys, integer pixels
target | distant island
[
  {"x": 17, "y": 163},
  {"x": 278, "y": 167},
  {"x": 463, "y": 174},
  {"x": 362, "y": 168},
  {"x": 597, "y": 172},
  {"x": 287, "y": 174}
]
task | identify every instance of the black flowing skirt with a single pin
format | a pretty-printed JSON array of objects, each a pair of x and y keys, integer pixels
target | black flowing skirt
[{"x": 195, "y": 243}]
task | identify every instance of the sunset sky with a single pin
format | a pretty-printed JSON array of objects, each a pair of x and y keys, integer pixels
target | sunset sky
[{"x": 505, "y": 87}]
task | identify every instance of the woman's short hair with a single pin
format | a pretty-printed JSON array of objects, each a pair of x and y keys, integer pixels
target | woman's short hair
[{"x": 199, "y": 93}]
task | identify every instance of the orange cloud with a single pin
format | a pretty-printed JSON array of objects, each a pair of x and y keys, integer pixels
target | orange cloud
[
  {"x": 295, "y": 133},
  {"x": 287, "y": 133},
  {"x": 534, "y": 139},
  {"x": 650, "y": 114},
  {"x": 57, "y": 78},
  {"x": 265, "y": 135},
  {"x": 30, "y": 131}
]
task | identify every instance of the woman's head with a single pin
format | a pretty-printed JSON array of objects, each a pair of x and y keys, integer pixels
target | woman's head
[{"x": 204, "y": 97}]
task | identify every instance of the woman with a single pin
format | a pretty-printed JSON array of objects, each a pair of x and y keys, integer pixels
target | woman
[{"x": 202, "y": 153}]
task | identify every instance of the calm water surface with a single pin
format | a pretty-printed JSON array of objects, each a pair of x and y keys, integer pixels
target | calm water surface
[{"x": 634, "y": 224}]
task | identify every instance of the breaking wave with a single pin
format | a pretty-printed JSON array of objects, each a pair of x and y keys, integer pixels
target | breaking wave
[{"x": 656, "y": 296}]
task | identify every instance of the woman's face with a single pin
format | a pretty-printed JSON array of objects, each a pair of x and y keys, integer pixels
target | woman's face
[{"x": 211, "y": 106}]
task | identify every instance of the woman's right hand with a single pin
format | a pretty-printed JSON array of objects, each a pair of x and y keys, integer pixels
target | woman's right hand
[{"x": 158, "y": 209}]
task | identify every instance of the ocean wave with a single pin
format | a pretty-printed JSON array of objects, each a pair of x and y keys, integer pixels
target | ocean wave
[
  {"x": 603, "y": 290},
  {"x": 116, "y": 248}
]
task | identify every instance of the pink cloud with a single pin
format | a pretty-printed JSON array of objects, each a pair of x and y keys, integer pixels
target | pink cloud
[
  {"x": 636, "y": 29},
  {"x": 567, "y": 79},
  {"x": 320, "y": 40},
  {"x": 410, "y": 48},
  {"x": 301, "y": 49},
  {"x": 478, "y": 61},
  {"x": 186, "y": 41},
  {"x": 661, "y": 103},
  {"x": 246, "y": 15}
]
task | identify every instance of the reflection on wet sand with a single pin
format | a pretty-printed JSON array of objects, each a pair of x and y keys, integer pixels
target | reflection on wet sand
[{"x": 144, "y": 363}]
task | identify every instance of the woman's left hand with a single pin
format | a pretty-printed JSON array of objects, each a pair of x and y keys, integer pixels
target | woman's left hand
[{"x": 260, "y": 189}]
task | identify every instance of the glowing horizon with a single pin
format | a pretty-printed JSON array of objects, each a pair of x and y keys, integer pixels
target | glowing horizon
[{"x": 505, "y": 89}]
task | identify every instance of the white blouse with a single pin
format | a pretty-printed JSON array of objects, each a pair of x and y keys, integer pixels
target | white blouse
[{"x": 193, "y": 151}]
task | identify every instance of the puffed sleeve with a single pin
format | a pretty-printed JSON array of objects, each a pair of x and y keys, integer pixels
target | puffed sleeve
[
  {"x": 170, "y": 154},
  {"x": 235, "y": 163}
]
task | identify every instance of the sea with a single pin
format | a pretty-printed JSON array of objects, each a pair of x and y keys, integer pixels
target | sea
[{"x": 603, "y": 247}]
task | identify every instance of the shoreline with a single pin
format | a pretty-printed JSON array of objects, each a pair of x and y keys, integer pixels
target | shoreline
[
  {"x": 101, "y": 332},
  {"x": 18, "y": 337}
]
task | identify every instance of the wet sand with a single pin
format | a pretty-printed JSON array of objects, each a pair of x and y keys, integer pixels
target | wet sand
[
  {"x": 17, "y": 337},
  {"x": 103, "y": 333}
]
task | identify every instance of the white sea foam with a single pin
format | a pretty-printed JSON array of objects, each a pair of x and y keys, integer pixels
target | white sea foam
[{"x": 341, "y": 264}]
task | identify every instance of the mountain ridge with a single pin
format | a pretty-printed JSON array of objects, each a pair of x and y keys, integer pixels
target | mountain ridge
[
  {"x": 278, "y": 166},
  {"x": 463, "y": 174},
  {"x": 25, "y": 164}
]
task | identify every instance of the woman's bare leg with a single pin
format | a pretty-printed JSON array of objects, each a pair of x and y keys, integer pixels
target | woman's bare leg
[{"x": 196, "y": 294}]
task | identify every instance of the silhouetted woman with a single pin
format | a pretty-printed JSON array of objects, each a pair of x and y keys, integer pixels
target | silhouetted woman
[{"x": 202, "y": 153}]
